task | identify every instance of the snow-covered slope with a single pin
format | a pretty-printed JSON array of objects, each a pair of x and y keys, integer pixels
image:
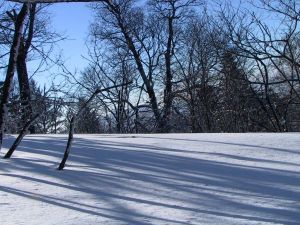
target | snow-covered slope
[{"x": 153, "y": 179}]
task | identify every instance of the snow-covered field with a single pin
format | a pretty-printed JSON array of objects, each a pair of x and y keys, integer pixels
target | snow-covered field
[{"x": 153, "y": 179}]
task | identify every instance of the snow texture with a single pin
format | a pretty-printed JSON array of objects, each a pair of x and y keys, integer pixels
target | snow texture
[{"x": 153, "y": 179}]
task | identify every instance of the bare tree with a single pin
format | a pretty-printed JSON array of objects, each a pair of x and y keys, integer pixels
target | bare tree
[
  {"x": 150, "y": 42},
  {"x": 264, "y": 46},
  {"x": 197, "y": 63},
  {"x": 11, "y": 65},
  {"x": 72, "y": 124}
]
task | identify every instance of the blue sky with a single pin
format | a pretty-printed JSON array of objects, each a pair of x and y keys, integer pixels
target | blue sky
[{"x": 73, "y": 20}]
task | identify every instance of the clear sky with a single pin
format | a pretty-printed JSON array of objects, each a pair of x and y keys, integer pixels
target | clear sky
[{"x": 73, "y": 20}]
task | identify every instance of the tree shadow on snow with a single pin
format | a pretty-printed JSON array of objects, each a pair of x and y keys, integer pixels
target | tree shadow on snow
[{"x": 148, "y": 177}]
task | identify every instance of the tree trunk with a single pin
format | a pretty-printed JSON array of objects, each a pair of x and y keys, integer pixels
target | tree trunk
[
  {"x": 69, "y": 144},
  {"x": 11, "y": 67},
  {"x": 23, "y": 79},
  {"x": 20, "y": 137},
  {"x": 73, "y": 120},
  {"x": 132, "y": 48},
  {"x": 25, "y": 96},
  {"x": 165, "y": 126}
]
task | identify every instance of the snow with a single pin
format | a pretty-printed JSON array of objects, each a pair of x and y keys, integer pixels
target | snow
[{"x": 153, "y": 179}]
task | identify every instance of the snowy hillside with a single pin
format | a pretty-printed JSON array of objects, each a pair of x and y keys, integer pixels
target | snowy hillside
[{"x": 153, "y": 179}]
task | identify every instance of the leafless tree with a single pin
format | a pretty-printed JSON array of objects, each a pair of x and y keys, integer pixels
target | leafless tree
[
  {"x": 20, "y": 18},
  {"x": 150, "y": 39}
]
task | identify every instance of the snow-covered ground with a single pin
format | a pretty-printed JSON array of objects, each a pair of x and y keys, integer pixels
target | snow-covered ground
[{"x": 153, "y": 179}]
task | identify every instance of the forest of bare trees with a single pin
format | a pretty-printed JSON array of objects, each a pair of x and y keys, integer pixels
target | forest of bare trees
[{"x": 161, "y": 65}]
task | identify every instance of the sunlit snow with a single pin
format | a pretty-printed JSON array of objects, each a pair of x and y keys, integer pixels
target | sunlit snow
[{"x": 153, "y": 179}]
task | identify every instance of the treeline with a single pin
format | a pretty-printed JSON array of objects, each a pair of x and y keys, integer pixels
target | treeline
[{"x": 185, "y": 66}]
